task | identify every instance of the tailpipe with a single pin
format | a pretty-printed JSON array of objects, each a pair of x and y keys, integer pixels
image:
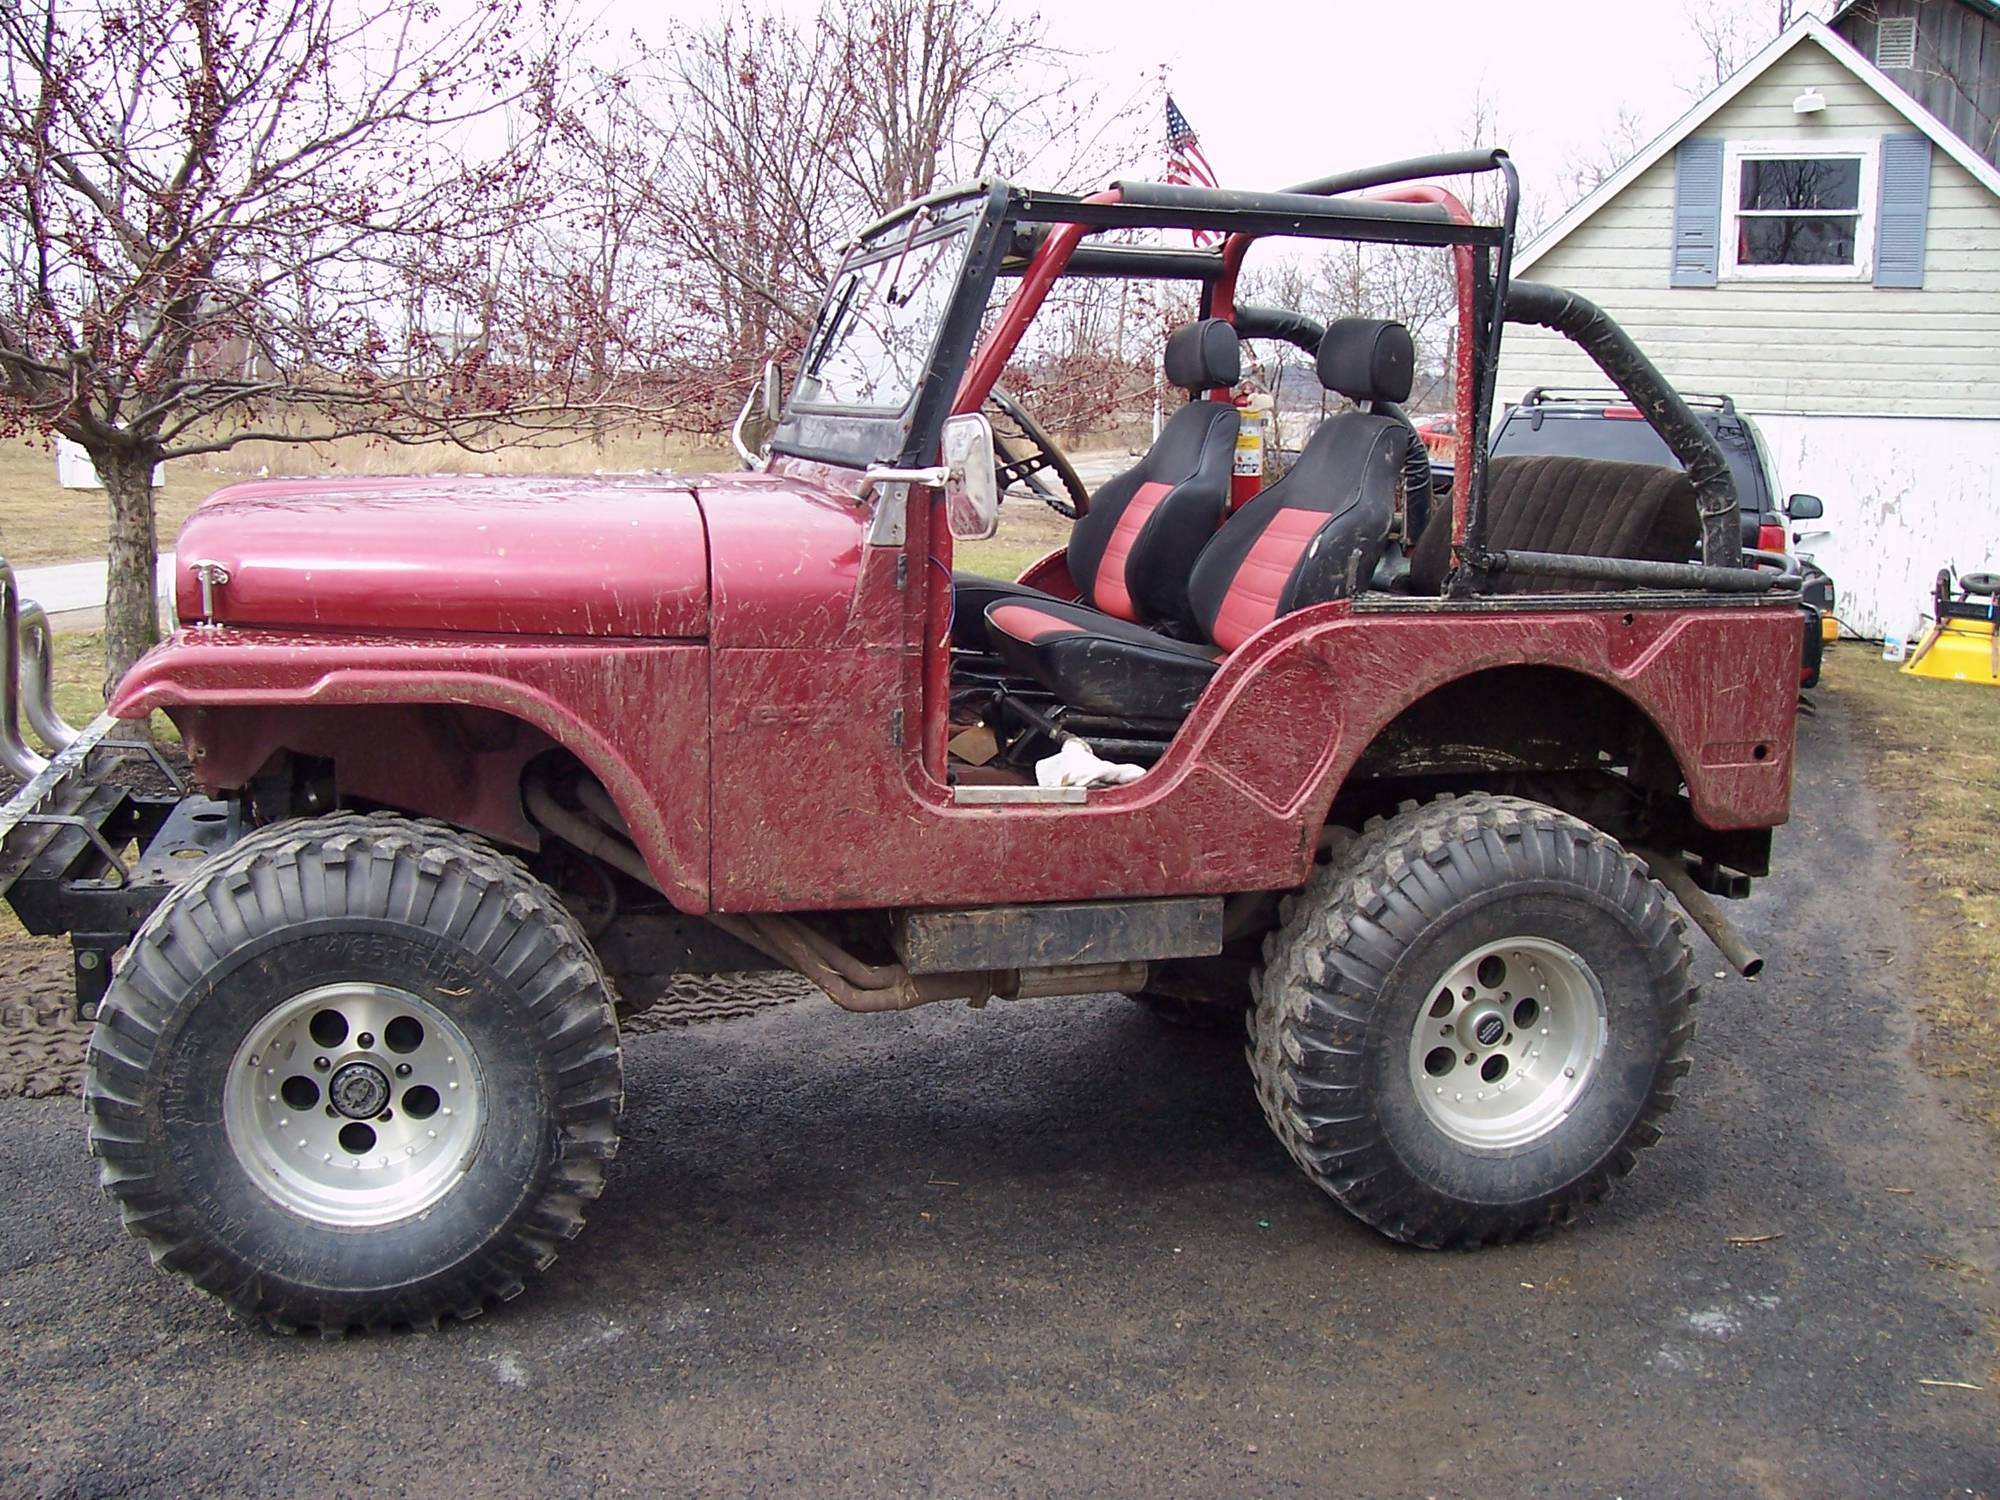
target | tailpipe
[{"x": 1672, "y": 872}]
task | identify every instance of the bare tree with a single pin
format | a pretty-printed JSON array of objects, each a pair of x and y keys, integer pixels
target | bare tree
[
  {"x": 274, "y": 219},
  {"x": 947, "y": 90},
  {"x": 1588, "y": 168},
  {"x": 1730, "y": 31},
  {"x": 779, "y": 138}
]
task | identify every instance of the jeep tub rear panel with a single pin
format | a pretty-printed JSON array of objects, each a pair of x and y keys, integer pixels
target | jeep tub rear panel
[{"x": 482, "y": 763}]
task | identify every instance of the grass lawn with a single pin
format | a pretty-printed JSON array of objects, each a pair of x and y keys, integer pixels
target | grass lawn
[
  {"x": 1029, "y": 531},
  {"x": 79, "y": 675},
  {"x": 41, "y": 522},
  {"x": 1937, "y": 758}
]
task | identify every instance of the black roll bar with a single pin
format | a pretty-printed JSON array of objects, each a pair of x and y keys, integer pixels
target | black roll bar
[
  {"x": 1304, "y": 205},
  {"x": 1302, "y": 330},
  {"x": 1415, "y": 169},
  {"x": 1590, "y": 328}
]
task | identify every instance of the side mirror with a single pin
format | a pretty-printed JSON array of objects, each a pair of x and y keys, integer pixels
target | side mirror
[
  {"x": 967, "y": 477},
  {"x": 1804, "y": 507},
  {"x": 971, "y": 488},
  {"x": 773, "y": 392},
  {"x": 763, "y": 405}
]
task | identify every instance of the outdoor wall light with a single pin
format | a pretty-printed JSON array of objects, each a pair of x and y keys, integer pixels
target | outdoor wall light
[{"x": 1811, "y": 102}]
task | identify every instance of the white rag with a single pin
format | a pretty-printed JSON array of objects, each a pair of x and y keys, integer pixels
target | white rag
[{"x": 1076, "y": 764}]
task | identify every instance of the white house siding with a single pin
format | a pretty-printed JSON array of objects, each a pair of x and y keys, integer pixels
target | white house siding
[
  {"x": 1837, "y": 356},
  {"x": 1904, "y": 497}
]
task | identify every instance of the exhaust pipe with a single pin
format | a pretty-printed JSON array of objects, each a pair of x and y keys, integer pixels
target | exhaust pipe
[
  {"x": 851, "y": 982},
  {"x": 1672, "y": 872},
  {"x": 38, "y": 680}
]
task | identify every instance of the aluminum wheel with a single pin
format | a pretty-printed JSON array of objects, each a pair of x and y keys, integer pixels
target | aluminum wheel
[
  {"x": 355, "y": 1104},
  {"x": 1508, "y": 1041}
]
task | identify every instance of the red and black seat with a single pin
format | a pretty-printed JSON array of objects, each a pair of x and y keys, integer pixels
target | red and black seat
[
  {"x": 1314, "y": 536},
  {"x": 1131, "y": 553}
]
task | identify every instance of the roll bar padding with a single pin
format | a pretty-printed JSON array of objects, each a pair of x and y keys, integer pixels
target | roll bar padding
[{"x": 1611, "y": 348}]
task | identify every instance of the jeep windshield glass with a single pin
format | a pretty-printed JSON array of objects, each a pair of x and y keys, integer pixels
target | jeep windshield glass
[{"x": 873, "y": 341}]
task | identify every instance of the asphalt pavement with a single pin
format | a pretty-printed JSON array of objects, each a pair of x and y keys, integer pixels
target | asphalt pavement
[{"x": 1049, "y": 1248}]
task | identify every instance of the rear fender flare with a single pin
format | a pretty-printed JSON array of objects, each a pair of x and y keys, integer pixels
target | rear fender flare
[{"x": 1295, "y": 708}]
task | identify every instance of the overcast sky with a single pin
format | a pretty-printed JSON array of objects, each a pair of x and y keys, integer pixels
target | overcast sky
[{"x": 1282, "y": 90}]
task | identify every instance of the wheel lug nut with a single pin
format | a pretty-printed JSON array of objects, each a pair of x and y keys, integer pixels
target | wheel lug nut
[
  {"x": 320, "y": 1065},
  {"x": 330, "y": 1112},
  {"x": 366, "y": 1039},
  {"x": 402, "y": 1070}
]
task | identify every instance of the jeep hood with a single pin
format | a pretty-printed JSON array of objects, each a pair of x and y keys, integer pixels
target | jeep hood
[{"x": 559, "y": 556}]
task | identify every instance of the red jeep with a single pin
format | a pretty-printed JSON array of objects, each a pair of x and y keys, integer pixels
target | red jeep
[{"x": 484, "y": 762}]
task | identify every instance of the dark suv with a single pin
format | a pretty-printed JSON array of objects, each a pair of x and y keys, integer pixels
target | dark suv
[
  {"x": 1598, "y": 424},
  {"x": 1602, "y": 424}
]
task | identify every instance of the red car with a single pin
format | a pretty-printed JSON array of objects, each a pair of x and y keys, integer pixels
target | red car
[{"x": 482, "y": 761}]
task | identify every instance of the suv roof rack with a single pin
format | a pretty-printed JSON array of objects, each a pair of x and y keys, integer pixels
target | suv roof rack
[{"x": 1542, "y": 395}]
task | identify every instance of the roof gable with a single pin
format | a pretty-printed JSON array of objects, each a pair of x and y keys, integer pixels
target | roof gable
[{"x": 1801, "y": 31}]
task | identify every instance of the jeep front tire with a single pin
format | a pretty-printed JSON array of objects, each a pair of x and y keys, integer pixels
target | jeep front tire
[{"x": 356, "y": 1073}]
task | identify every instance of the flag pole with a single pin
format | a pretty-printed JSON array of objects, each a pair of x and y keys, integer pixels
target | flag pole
[{"x": 1160, "y": 357}]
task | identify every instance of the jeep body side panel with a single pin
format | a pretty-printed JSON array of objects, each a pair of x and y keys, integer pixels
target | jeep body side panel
[
  {"x": 789, "y": 567},
  {"x": 823, "y": 808}
]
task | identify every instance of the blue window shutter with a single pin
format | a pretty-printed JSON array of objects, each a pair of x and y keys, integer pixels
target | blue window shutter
[
  {"x": 1697, "y": 211},
  {"x": 1903, "y": 200}
]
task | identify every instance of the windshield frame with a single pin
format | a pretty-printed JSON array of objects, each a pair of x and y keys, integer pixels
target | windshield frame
[{"x": 855, "y": 436}]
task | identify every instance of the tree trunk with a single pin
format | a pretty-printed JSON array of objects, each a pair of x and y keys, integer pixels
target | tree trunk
[{"x": 131, "y": 605}]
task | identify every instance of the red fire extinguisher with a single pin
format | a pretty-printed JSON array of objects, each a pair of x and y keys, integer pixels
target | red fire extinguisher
[{"x": 1248, "y": 476}]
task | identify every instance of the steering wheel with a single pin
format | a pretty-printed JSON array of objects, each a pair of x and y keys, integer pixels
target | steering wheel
[
  {"x": 1027, "y": 453},
  {"x": 1985, "y": 584}
]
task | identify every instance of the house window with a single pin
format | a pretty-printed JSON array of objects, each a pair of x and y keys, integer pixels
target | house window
[
  {"x": 1799, "y": 213},
  {"x": 1896, "y": 42}
]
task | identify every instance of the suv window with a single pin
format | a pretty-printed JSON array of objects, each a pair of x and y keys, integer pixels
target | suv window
[{"x": 1597, "y": 431}]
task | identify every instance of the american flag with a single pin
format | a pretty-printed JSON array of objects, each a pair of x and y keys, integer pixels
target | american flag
[{"x": 1186, "y": 166}]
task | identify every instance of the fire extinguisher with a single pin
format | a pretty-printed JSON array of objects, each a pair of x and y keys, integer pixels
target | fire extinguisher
[{"x": 1248, "y": 476}]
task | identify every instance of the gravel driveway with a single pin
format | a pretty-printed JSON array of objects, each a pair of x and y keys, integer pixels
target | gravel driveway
[{"x": 1050, "y": 1248}]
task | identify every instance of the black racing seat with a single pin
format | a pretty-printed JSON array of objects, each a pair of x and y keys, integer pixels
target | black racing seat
[
  {"x": 1314, "y": 536},
  {"x": 1553, "y": 502},
  {"x": 1130, "y": 554}
]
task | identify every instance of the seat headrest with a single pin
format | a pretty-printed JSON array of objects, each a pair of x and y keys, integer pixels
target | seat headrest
[
  {"x": 1202, "y": 356},
  {"x": 1367, "y": 359}
]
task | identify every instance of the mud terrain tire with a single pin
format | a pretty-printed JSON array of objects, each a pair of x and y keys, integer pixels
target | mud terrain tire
[
  {"x": 1354, "y": 1014},
  {"x": 486, "y": 987}
]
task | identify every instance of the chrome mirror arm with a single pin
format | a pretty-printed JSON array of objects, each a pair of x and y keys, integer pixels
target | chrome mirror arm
[
  {"x": 750, "y": 460},
  {"x": 932, "y": 476}
]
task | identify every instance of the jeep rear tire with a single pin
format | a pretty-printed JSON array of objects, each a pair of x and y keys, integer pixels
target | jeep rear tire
[
  {"x": 1469, "y": 1025},
  {"x": 356, "y": 1073}
]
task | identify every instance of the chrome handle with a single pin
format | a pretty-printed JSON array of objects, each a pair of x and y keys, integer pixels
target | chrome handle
[
  {"x": 932, "y": 476},
  {"x": 211, "y": 576}
]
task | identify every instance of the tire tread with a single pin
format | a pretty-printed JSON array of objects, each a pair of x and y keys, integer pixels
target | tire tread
[
  {"x": 380, "y": 865},
  {"x": 1342, "y": 934}
]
